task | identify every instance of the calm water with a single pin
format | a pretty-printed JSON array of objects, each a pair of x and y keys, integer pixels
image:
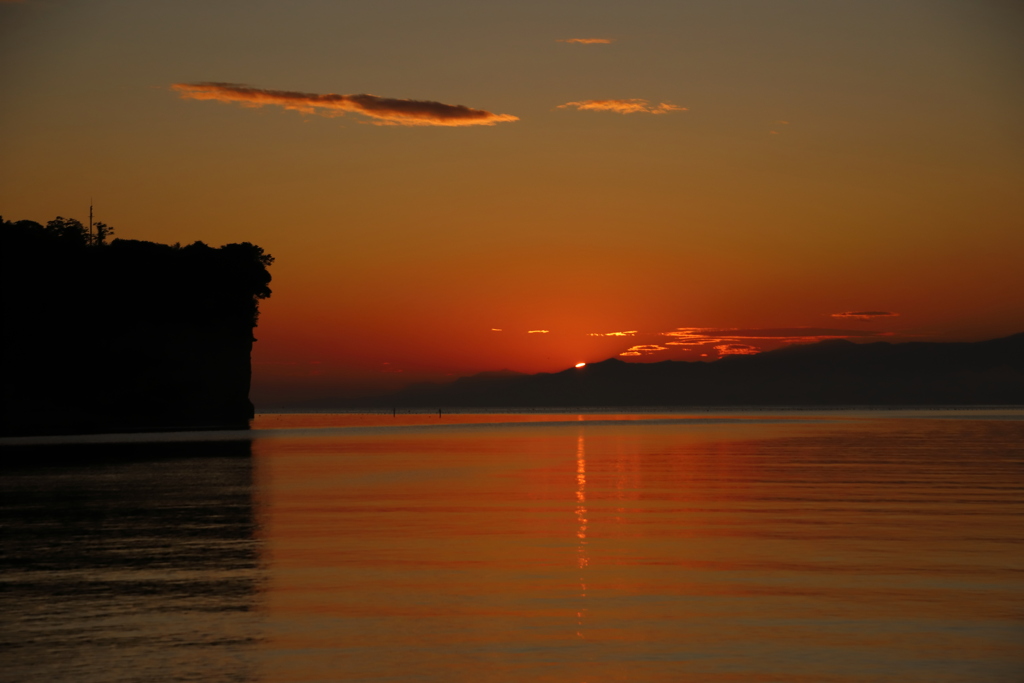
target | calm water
[{"x": 730, "y": 547}]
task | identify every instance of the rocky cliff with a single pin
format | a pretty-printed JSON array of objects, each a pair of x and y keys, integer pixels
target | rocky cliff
[{"x": 125, "y": 336}]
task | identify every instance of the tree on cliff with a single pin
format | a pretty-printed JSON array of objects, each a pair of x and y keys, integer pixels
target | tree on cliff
[
  {"x": 127, "y": 334},
  {"x": 103, "y": 231},
  {"x": 68, "y": 230}
]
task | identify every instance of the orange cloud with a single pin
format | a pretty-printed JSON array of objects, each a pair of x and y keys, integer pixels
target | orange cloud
[
  {"x": 643, "y": 350},
  {"x": 736, "y": 350},
  {"x": 630, "y": 333},
  {"x": 631, "y": 106},
  {"x": 588, "y": 41},
  {"x": 735, "y": 341},
  {"x": 865, "y": 315},
  {"x": 793, "y": 335},
  {"x": 538, "y": 331},
  {"x": 384, "y": 110}
]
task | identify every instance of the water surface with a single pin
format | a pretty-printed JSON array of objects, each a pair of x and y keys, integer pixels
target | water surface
[{"x": 744, "y": 546}]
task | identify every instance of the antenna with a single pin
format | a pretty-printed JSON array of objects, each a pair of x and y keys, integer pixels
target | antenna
[{"x": 90, "y": 219}]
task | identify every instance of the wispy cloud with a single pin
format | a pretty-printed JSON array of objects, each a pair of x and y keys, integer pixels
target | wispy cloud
[
  {"x": 587, "y": 41},
  {"x": 538, "y": 331},
  {"x": 786, "y": 335},
  {"x": 628, "y": 333},
  {"x": 865, "y": 315},
  {"x": 736, "y": 350},
  {"x": 384, "y": 111},
  {"x": 631, "y": 106},
  {"x": 643, "y": 350},
  {"x": 719, "y": 341}
]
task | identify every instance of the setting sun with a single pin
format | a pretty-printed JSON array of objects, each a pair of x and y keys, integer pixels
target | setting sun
[
  {"x": 437, "y": 242},
  {"x": 291, "y": 295}
]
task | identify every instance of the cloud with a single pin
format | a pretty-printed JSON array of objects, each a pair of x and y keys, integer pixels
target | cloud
[
  {"x": 538, "y": 331},
  {"x": 643, "y": 350},
  {"x": 496, "y": 329},
  {"x": 709, "y": 343},
  {"x": 587, "y": 41},
  {"x": 736, "y": 350},
  {"x": 865, "y": 315},
  {"x": 788, "y": 335},
  {"x": 725, "y": 341},
  {"x": 632, "y": 106},
  {"x": 385, "y": 111}
]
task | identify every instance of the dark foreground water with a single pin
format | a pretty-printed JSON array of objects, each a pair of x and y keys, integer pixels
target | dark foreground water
[{"x": 739, "y": 547}]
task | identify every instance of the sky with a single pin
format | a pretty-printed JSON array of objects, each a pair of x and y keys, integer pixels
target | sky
[{"x": 452, "y": 187}]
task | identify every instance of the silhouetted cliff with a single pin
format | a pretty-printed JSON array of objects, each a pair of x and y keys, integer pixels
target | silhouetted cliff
[
  {"x": 834, "y": 372},
  {"x": 128, "y": 335}
]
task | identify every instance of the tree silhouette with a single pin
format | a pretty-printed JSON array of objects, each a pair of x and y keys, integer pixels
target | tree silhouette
[
  {"x": 103, "y": 231},
  {"x": 68, "y": 230},
  {"x": 125, "y": 334}
]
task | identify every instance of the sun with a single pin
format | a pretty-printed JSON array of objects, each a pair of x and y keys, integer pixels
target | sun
[{"x": 580, "y": 365}]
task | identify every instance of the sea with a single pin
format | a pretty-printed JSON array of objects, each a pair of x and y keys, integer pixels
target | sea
[{"x": 704, "y": 546}]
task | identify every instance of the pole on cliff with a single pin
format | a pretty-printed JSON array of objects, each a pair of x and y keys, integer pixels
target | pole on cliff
[{"x": 90, "y": 220}]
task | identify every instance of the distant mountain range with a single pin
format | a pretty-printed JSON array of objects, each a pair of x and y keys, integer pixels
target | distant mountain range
[{"x": 828, "y": 373}]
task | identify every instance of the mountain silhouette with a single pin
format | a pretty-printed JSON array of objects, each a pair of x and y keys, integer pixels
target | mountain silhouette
[{"x": 828, "y": 373}]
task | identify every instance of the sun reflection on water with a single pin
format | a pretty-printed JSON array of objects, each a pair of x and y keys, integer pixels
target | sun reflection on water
[{"x": 581, "y": 532}]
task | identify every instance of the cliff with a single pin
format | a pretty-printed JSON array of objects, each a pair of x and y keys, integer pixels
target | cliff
[{"x": 125, "y": 336}]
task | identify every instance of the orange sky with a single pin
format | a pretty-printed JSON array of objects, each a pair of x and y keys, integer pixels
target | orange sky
[{"x": 712, "y": 177}]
